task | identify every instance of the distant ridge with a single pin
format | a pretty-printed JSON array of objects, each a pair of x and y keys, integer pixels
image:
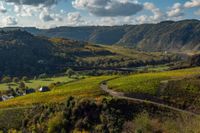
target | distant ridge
[{"x": 163, "y": 36}]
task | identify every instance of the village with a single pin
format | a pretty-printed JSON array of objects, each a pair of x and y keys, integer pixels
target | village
[
  {"x": 16, "y": 87},
  {"x": 16, "y": 93}
]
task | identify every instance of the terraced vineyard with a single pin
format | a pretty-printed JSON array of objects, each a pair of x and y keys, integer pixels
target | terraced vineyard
[
  {"x": 178, "y": 88},
  {"x": 149, "y": 82},
  {"x": 89, "y": 88}
]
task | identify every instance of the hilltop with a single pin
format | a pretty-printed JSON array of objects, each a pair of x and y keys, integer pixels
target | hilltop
[{"x": 167, "y": 35}]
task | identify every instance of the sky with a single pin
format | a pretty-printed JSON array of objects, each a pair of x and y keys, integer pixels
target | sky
[{"x": 55, "y": 13}]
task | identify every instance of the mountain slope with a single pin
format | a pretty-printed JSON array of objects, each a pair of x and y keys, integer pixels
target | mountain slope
[
  {"x": 168, "y": 35},
  {"x": 22, "y": 53}
]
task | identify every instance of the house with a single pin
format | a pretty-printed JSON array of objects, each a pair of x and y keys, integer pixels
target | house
[
  {"x": 4, "y": 97},
  {"x": 44, "y": 89},
  {"x": 1, "y": 99},
  {"x": 29, "y": 91}
]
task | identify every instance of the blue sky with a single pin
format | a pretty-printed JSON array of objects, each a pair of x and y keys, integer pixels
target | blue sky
[{"x": 53, "y": 13}]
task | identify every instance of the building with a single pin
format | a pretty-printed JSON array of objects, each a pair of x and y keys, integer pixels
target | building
[
  {"x": 44, "y": 89},
  {"x": 4, "y": 97},
  {"x": 29, "y": 91}
]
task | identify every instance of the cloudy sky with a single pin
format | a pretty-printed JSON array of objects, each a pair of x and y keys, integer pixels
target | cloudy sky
[{"x": 53, "y": 13}]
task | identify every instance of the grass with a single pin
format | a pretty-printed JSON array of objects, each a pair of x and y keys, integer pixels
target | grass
[
  {"x": 11, "y": 118},
  {"x": 152, "y": 68},
  {"x": 149, "y": 82},
  {"x": 88, "y": 87},
  {"x": 37, "y": 83},
  {"x": 145, "y": 123},
  {"x": 134, "y": 54},
  {"x": 121, "y": 54}
]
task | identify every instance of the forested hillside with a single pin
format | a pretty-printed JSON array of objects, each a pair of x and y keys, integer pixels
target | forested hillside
[
  {"x": 167, "y": 35},
  {"x": 22, "y": 53}
]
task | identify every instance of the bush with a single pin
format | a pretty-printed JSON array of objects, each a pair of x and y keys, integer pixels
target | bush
[
  {"x": 15, "y": 79},
  {"x": 6, "y": 79},
  {"x": 70, "y": 72},
  {"x": 24, "y": 78},
  {"x": 55, "y": 124},
  {"x": 42, "y": 76},
  {"x": 22, "y": 85},
  {"x": 142, "y": 123}
]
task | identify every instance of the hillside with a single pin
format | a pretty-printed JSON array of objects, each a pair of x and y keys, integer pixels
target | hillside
[
  {"x": 167, "y": 35},
  {"x": 179, "y": 88},
  {"x": 22, "y": 53},
  {"x": 83, "y": 106}
]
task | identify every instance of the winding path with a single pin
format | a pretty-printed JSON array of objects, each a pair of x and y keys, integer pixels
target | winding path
[{"x": 121, "y": 95}]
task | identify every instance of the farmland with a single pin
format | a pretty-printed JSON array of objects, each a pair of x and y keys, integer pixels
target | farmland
[
  {"x": 178, "y": 88},
  {"x": 37, "y": 82},
  {"x": 88, "y": 87},
  {"x": 149, "y": 82},
  {"x": 146, "y": 83},
  {"x": 87, "y": 92}
]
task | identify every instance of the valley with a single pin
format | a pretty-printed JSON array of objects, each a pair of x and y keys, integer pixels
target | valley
[{"x": 57, "y": 81}]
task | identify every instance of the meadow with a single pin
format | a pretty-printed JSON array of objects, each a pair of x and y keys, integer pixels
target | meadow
[
  {"x": 37, "y": 82},
  {"x": 88, "y": 87}
]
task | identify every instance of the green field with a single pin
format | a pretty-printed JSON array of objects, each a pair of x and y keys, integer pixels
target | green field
[
  {"x": 134, "y": 54},
  {"x": 152, "y": 68},
  {"x": 149, "y": 82},
  {"x": 37, "y": 83},
  {"x": 88, "y": 87}
]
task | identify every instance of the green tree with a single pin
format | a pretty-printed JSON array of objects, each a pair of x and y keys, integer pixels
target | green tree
[
  {"x": 55, "y": 124},
  {"x": 70, "y": 72},
  {"x": 42, "y": 76},
  {"x": 24, "y": 78},
  {"x": 22, "y": 85},
  {"x": 15, "y": 79},
  {"x": 6, "y": 79}
]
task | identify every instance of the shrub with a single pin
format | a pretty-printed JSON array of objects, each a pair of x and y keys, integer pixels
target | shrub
[
  {"x": 55, "y": 124},
  {"x": 24, "y": 78},
  {"x": 15, "y": 79},
  {"x": 42, "y": 76},
  {"x": 22, "y": 85},
  {"x": 70, "y": 72},
  {"x": 6, "y": 79},
  {"x": 142, "y": 123}
]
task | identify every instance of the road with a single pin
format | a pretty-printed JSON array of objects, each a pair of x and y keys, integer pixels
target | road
[{"x": 121, "y": 95}]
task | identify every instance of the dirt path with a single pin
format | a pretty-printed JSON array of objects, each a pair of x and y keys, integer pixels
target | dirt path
[
  {"x": 14, "y": 108},
  {"x": 121, "y": 95}
]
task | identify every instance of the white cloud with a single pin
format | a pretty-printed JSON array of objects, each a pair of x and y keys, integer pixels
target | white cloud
[
  {"x": 110, "y": 8},
  {"x": 108, "y": 21},
  {"x": 47, "y": 16},
  {"x": 142, "y": 19},
  {"x": 157, "y": 14},
  {"x": 2, "y": 8},
  {"x": 74, "y": 18},
  {"x": 24, "y": 10},
  {"x": 192, "y": 3},
  {"x": 9, "y": 21},
  {"x": 176, "y": 11}
]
